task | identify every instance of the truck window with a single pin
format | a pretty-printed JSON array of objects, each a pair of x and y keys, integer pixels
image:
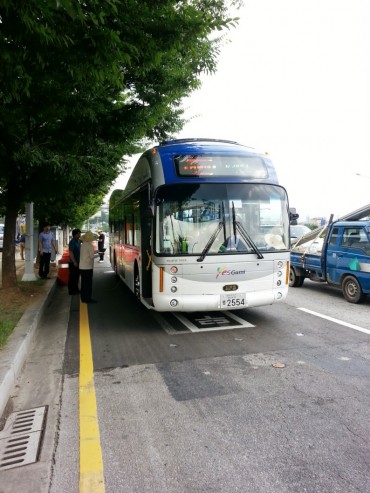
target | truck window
[
  {"x": 352, "y": 236},
  {"x": 333, "y": 237},
  {"x": 356, "y": 238}
]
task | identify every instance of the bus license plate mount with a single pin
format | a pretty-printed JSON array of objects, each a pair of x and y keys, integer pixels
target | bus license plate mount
[{"x": 233, "y": 300}]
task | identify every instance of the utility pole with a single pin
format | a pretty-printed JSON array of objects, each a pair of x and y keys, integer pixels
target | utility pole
[{"x": 29, "y": 272}]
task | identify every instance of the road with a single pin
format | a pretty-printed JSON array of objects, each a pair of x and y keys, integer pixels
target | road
[{"x": 273, "y": 399}]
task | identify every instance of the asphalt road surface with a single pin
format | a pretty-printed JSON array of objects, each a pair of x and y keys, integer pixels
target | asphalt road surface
[{"x": 270, "y": 399}]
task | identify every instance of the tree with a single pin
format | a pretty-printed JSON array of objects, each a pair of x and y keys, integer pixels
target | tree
[{"x": 83, "y": 83}]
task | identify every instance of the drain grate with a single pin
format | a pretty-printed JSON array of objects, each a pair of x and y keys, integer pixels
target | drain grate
[{"x": 20, "y": 439}]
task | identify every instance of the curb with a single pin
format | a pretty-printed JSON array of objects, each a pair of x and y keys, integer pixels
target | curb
[{"x": 13, "y": 355}]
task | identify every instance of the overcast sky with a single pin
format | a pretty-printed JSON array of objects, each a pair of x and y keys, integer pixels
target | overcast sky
[{"x": 294, "y": 81}]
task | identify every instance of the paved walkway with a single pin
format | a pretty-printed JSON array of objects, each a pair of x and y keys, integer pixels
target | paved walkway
[{"x": 13, "y": 355}]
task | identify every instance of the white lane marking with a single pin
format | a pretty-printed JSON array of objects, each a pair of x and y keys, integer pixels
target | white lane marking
[
  {"x": 238, "y": 319},
  {"x": 335, "y": 320},
  {"x": 166, "y": 326}
]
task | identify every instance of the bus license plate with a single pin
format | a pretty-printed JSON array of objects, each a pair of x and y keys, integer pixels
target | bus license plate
[{"x": 233, "y": 300}]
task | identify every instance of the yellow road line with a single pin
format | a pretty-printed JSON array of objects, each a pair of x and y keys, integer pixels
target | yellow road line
[{"x": 91, "y": 460}]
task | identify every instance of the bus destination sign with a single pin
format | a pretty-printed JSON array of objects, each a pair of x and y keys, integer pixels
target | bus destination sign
[{"x": 214, "y": 165}]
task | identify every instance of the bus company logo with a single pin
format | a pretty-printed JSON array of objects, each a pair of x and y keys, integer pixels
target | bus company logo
[{"x": 224, "y": 271}]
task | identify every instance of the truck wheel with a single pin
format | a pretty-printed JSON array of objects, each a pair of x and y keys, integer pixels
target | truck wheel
[
  {"x": 294, "y": 280},
  {"x": 352, "y": 291}
]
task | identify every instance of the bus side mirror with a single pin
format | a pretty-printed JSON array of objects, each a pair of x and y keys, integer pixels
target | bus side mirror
[{"x": 293, "y": 216}]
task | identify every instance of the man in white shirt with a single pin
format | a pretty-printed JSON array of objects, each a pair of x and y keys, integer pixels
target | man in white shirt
[{"x": 87, "y": 266}]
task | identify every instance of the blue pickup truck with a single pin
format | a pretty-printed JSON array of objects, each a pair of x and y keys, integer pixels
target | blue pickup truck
[{"x": 344, "y": 260}]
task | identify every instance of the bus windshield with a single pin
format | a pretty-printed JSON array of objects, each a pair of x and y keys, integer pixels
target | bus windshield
[{"x": 205, "y": 219}]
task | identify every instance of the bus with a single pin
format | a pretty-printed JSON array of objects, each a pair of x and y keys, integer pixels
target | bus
[{"x": 202, "y": 225}]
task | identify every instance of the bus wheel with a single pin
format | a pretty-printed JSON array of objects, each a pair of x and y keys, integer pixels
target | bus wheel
[
  {"x": 294, "y": 280},
  {"x": 137, "y": 284},
  {"x": 352, "y": 291}
]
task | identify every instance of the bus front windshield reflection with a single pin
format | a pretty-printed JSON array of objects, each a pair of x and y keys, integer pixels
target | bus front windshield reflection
[{"x": 224, "y": 218}]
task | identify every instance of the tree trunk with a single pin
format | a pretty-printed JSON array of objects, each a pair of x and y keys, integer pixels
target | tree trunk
[{"x": 9, "y": 274}]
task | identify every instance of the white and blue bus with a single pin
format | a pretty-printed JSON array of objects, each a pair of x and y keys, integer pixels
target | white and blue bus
[{"x": 202, "y": 225}]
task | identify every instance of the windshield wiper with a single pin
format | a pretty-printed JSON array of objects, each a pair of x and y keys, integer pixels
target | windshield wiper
[
  {"x": 223, "y": 219},
  {"x": 246, "y": 237},
  {"x": 221, "y": 225},
  {"x": 210, "y": 242}
]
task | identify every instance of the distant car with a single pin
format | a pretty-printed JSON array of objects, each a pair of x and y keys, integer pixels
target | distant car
[
  {"x": 297, "y": 231},
  {"x": 1, "y": 236},
  {"x": 312, "y": 246}
]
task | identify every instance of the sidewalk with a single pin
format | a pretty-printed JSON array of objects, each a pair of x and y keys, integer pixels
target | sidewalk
[{"x": 13, "y": 355}]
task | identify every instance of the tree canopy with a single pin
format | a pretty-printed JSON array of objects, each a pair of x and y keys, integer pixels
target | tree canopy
[{"x": 85, "y": 83}]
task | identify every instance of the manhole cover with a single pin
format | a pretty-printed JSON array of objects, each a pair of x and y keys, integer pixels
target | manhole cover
[{"x": 20, "y": 439}]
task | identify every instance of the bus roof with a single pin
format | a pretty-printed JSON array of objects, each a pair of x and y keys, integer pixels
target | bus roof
[
  {"x": 158, "y": 163},
  {"x": 196, "y": 139},
  {"x": 203, "y": 143}
]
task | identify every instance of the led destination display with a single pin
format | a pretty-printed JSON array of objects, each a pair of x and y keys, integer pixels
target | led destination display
[{"x": 214, "y": 165}]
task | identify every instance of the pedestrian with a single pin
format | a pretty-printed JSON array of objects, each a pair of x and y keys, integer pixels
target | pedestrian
[
  {"x": 74, "y": 261},
  {"x": 46, "y": 245},
  {"x": 22, "y": 245},
  {"x": 87, "y": 266},
  {"x": 101, "y": 249}
]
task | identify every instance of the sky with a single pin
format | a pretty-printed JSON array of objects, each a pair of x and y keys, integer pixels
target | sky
[{"x": 294, "y": 81}]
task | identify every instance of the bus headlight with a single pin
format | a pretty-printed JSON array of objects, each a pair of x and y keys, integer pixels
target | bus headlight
[
  {"x": 173, "y": 289},
  {"x": 279, "y": 273},
  {"x": 279, "y": 264},
  {"x": 278, "y": 283},
  {"x": 173, "y": 269},
  {"x": 279, "y": 296},
  {"x": 174, "y": 303},
  {"x": 173, "y": 279}
]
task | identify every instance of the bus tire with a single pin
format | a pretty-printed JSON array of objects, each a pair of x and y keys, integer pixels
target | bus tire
[
  {"x": 351, "y": 289},
  {"x": 294, "y": 280},
  {"x": 137, "y": 284}
]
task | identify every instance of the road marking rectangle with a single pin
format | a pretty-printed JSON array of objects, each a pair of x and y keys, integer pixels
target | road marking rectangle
[{"x": 209, "y": 323}]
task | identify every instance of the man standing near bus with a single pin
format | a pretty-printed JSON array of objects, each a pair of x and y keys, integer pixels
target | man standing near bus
[
  {"x": 101, "y": 241},
  {"x": 74, "y": 261},
  {"x": 46, "y": 244}
]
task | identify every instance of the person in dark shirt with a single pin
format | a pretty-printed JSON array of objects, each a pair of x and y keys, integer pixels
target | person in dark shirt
[
  {"x": 101, "y": 249},
  {"x": 74, "y": 261},
  {"x": 22, "y": 244}
]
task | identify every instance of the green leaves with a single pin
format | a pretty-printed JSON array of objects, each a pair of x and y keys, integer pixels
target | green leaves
[{"x": 84, "y": 82}]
